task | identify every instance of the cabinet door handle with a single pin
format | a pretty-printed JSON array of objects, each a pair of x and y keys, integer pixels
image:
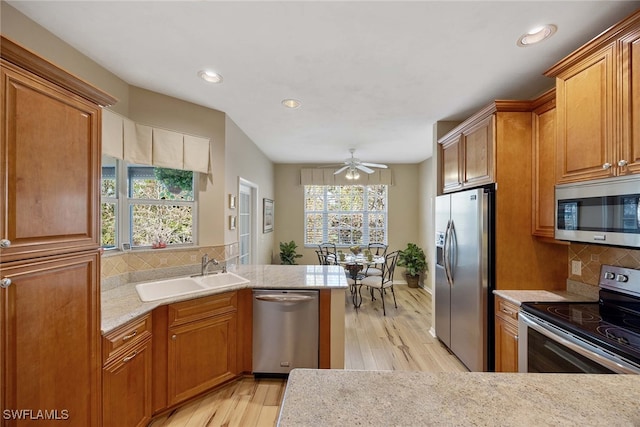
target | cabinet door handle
[
  {"x": 131, "y": 356},
  {"x": 131, "y": 335},
  {"x": 622, "y": 163},
  {"x": 5, "y": 282},
  {"x": 509, "y": 312},
  {"x": 607, "y": 166},
  {"x": 5, "y": 243},
  {"x": 173, "y": 337}
]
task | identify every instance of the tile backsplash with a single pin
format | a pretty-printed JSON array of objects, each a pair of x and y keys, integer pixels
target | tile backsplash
[
  {"x": 135, "y": 266},
  {"x": 593, "y": 256}
]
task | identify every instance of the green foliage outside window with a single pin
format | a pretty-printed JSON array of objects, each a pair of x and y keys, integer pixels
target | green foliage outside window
[{"x": 174, "y": 180}]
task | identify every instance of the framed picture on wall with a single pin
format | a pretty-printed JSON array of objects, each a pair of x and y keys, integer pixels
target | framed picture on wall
[{"x": 267, "y": 215}]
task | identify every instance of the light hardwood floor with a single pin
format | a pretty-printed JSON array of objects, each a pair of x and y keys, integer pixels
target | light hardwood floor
[{"x": 398, "y": 341}]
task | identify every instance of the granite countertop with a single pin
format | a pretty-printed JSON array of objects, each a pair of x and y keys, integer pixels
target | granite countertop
[
  {"x": 386, "y": 398},
  {"x": 122, "y": 304},
  {"x": 518, "y": 297}
]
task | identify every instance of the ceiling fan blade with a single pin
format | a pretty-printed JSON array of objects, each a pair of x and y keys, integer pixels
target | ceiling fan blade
[
  {"x": 335, "y": 165},
  {"x": 374, "y": 165},
  {"x": 364, "y": 168},
  {"x": 342, "y": 169}
]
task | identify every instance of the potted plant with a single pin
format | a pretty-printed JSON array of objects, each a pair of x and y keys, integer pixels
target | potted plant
[
  {"x": 415, "y": 262},
  {"x": 288, "y": 253}
]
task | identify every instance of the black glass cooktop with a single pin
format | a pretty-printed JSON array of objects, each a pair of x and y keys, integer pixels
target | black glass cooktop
[{"x": 605, "y": 324}]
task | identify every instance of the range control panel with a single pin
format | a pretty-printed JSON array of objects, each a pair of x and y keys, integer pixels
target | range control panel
[{"x": 621, "y": 279}]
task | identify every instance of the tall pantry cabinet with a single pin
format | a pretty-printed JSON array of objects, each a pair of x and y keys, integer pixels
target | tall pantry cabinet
[{"x": 49, "y": 242}]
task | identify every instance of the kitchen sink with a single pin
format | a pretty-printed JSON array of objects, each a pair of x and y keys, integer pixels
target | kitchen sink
[
  {"x": 152, "y": 291},
  {"x": 221, "y": 279}
]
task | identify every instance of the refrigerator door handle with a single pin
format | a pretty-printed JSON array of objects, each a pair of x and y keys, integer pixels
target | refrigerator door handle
[
  {"x": 453, "y": 250},
  {"x": 447, "y": 261}
]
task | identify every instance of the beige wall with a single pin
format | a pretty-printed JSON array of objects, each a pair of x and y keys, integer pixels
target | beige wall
[
  {"x": 244, "y": 160},
  {"x": 425, "y": 217},
  {"x": 403, "y": 216}
]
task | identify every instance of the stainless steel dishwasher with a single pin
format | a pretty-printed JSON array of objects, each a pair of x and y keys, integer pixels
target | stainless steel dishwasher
[{"x": 285, "y": 330}]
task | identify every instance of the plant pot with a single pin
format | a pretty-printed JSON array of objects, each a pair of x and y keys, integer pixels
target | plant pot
[{"x": 412, "y": 281}]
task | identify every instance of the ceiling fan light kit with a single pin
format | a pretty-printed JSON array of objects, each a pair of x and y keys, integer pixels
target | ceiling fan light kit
[{"x": 352, "y": 165}]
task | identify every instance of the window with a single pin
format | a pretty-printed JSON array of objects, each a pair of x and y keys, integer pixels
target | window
[
  {"x": 345, "y": 215},
  {"x": 155, "y": 207}
]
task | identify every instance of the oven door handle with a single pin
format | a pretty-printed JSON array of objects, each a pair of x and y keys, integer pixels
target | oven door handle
[{"x": 595, "y": 354}]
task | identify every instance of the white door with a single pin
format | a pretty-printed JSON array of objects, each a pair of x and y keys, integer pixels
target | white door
[{"x": 244, "y": 221}]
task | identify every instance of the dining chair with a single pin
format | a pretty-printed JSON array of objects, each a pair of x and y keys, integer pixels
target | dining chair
[
  {"x": 326, "y": 259},
  {"x": 383, "y": 282},
  {"x": 377, "y": 250},
  {"x": 328, "y": 248}
]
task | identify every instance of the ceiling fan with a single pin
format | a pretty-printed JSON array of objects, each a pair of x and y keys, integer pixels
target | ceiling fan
[{"x": 353, "y": 164}]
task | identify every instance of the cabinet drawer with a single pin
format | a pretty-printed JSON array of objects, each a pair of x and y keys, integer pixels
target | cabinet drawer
[
  {"x": 507, "y": 310},
  {"x": 125, "y": 337},
  {"x": 201, "y": 308}
]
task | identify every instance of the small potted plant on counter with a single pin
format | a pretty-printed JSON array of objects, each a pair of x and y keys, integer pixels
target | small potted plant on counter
[
  {"x": 288, "y": 253},
  {"x": 414, "y": 260}
]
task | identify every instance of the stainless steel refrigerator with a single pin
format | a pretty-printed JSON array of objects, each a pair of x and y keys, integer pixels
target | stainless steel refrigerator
[{"x": 464, "y": 227}]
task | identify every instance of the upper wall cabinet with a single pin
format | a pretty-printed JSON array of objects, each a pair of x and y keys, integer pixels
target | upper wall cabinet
[
  {"x": 49, "y": 156},
  {"x": 467, "y": 152},
  {"x": 543, "y": 158},
  {"x": 598, "y": 106}
]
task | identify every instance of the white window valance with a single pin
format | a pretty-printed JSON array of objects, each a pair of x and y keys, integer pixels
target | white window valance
[
  {"x": 325, "y": 176},
  {"x": 146, "y": 145}
]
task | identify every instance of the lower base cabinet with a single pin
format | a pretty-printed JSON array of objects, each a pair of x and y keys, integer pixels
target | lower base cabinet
[
  {"x": 197, "y": 346},
  {"x": 506, "y": 336},
  {"x": 126, "y": 375},
  {"x": 201, "y": 356},
  {"x": 127, "y": 388}
]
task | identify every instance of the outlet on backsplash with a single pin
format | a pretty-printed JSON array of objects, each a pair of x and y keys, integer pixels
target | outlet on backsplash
[{"x": 576, "y": 268}]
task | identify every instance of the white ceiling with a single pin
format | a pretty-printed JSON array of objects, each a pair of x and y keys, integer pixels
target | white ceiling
[{"x": 373, "y": 75}]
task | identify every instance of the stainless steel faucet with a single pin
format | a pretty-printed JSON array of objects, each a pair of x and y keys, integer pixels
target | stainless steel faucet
[{"x": 205, "y": 263}]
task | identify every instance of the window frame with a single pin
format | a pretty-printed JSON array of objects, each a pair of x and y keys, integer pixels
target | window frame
[
  {"x": 124, "y": 223},
  {"x": 325, "y": 213}
]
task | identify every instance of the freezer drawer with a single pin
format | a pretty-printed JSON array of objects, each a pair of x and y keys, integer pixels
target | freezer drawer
[{"x": 285, "y": 330}]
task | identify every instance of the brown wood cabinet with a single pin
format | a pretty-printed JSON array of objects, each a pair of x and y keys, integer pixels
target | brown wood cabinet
[
  {"x": 49, "y": 231},
  {"x": 50, "y": 156},
  {"x": 467, "y": 154},
  {"x": 598, "y": 134},
  {"x": 126, "y": 376},
  {"x": 506, "y": 335},
  {"x": 452, "y": 162},
  {"x": 499, "y": 140},
  {"x": 51, "y": 336},
  {"x": 197, "y": 345},
  {"x": 544, "y": 160}
]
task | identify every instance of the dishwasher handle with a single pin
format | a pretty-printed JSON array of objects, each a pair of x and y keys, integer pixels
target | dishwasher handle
[{"x": 284, "y": 298}]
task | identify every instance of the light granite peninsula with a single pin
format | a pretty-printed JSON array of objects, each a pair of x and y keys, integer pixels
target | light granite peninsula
[
  {"x": 400, "y": 398},
  {"x": 122, "y": 303}
]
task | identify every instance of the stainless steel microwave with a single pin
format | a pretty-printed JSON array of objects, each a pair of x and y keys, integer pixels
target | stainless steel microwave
[{"x": 604, "y": 211}]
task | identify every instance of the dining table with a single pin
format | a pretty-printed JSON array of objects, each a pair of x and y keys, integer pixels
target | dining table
[{"x": 354, "y": 264}]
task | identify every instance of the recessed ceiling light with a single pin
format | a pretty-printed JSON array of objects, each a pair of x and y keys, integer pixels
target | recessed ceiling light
[
  {"x": 537, "y": 35},
  {"x": 210, "y": 76},
  {"x": 291, "y": 103}
]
